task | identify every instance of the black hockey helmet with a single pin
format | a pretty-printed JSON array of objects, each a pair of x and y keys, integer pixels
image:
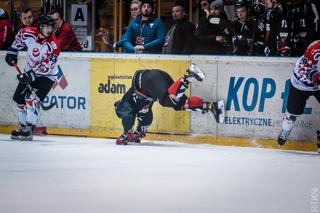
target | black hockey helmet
[{"x": 44, "y": 19}]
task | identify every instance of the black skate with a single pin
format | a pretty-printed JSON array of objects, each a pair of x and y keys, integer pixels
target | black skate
[
  {"x": 27, "y": 133},
  {"x": 137, "y": 136},
  {"x": 283, "y": 136},
  {"x": 217, "y": 108},
  {"x": 195, "y": 72},
  {"x": 16, "y": 133}
]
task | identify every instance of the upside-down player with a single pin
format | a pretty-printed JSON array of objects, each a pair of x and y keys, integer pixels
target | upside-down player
[
  {"x": 39, "y": 72},
  {"x": 153, "y": 85}
]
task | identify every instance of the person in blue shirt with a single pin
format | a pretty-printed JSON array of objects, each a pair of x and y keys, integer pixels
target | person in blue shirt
[{"x": 145, "y": 34}]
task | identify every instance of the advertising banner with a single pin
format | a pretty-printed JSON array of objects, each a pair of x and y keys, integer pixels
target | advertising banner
[
  {"x": 255, "y": 94},
  {"x": 111, "y": 78}
]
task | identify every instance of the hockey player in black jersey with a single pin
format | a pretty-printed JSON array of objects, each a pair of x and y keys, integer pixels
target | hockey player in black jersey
[{"x": 153, "y": 85}]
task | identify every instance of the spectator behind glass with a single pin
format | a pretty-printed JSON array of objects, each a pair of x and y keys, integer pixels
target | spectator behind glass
[
  {"x": 145, "y": 33},
  {"x": 179, "y": 37},
  {"x": 305, "y": 25},
  {"x": 27, "y": 18},
  {"x": 135, "y": 10},
  {"x": 243, "y": 30},
  {"x": 213, "y": 31},
  {"x": 277, "y": 30},
  {"x": 64, "y": 33},
  {"x": 205, "y": 7},
  {"x": 6, "y": 31}
]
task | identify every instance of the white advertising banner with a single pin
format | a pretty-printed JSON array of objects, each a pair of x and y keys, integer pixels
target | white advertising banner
[
  {"x": 70, "y": 95},
  {"x": 255, "y": 91}
]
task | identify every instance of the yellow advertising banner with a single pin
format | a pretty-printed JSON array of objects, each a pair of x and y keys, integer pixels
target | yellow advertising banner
[{"x": 111, "y": 78}]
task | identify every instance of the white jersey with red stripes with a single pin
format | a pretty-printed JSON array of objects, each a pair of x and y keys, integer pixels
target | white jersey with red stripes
[
  {"x": 308, "y": 63},
  {"x": 42, "y": 55}
]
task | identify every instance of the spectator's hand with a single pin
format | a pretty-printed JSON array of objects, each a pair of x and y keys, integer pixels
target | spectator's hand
[
  {"x": 220, "y": 39},
  {"x": 206, "y": 12},
  {"x": 114, "y": 46},
  {"x": 12, "y": 56},
  {"x": 138, "y": 48}
]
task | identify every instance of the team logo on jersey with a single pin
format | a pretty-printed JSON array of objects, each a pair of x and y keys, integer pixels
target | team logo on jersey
[
  {"x": 61, "y": 81},
  {"x": 35, "y": 52}
]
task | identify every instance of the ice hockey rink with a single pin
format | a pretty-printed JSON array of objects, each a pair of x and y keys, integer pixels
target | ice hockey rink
[{"x": 76, "y": 174}]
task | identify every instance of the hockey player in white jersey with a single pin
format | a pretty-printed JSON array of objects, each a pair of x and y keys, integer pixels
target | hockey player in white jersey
[
  {"x": 39, "y": 72},
  {"x": 305, "y": 82}
]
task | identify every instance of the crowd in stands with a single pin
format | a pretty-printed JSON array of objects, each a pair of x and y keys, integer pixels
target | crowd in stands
[
  {"x": 257, "y": 27},
  {"x": 261, "y": 27}
]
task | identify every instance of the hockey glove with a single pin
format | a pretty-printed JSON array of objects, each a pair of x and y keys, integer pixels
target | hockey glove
[
  {"x": 27, "y": 77},
  {"x": 12, "y": 56}
]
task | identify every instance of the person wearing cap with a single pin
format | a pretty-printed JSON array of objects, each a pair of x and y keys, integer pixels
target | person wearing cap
[
  {"x": 212, "y": 35},
  {"x": 145, "y": 34},
  {"x": 6, "y": 31},
  {"x": 179, "y": 37}
]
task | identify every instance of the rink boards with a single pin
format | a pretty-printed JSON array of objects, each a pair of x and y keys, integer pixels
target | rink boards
[{"x": 254, "y": 89}]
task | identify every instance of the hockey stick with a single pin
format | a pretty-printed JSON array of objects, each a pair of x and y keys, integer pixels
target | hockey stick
[{"x": 30, "y": 88}]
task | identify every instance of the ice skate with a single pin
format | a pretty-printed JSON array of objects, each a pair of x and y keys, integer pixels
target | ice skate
[
  {"x": 137, "y": 136},
  {"x": 27, "y": 133},
  {"x": 16, "y": 133},
  {"x": 123, "y": 139},
  {"x": 217, "y": 108},
  {"x": 195, "y": 72},
  {"x": 283, "y": 136}
]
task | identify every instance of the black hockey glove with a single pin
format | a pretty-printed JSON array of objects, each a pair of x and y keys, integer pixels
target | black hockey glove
[
  {"x": 27, "y": 77},
  {"x": 12, "y": 56}
]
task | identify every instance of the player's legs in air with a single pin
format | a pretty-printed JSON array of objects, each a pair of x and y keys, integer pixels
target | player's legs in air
[{"x": 179, "y": 101}]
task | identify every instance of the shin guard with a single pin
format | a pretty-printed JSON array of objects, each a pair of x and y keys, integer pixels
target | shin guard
[
  {"x": 195, "y": 103},
  {"x": 22, "y": 114},
  {"x": 177, "y": 89},
  {"x": 33, "y": 108}
]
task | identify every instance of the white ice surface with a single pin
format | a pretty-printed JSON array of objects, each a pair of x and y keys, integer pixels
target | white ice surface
[{"x": 88, "y": 175}]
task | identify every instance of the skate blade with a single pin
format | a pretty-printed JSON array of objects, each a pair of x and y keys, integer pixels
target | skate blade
[
  {"x": 22, "y": 138},
  {"x": 14, "y": 137}
]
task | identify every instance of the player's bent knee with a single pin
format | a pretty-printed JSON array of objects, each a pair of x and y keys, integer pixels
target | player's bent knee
[{"x": 123, "y": 109}]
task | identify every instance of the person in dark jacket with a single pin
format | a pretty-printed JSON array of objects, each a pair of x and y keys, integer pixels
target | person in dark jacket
[
  {"x": 179, "y": 37},
  {"x": 64, "y": 33},
  {"x": 305, "y": 25},
  {"x": 277, "y": 30},
  {"x": 213, "y": 31},
  {"x": 146, "y": 33},
  {"x": 243, "y": 30}
]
